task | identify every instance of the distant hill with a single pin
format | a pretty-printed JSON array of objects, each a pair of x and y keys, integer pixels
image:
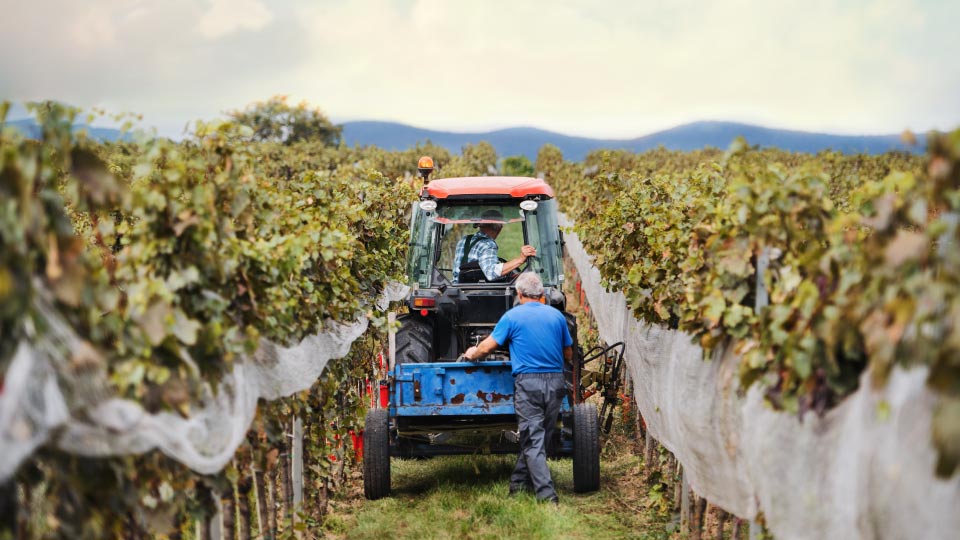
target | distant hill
[
  {"x": 527, "y": 141},
  {"x": 30, "y": 128}
]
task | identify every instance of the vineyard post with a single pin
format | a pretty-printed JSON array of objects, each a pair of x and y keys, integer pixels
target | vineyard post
[
  {"x": 392, "y": 339},
  {"x": 297, "y": 472},
  {"x": 260, "y": 492},
  {"x": 216, "y": 522},
  {"x": 273, "y": 502},
  {"x": 638, "y": 430},
  {"x": 285, "y": 489},
  {"x": 623, "y": 337},
  {"x": 649, "y": 450},
  {"x": 762, "y": 299},
  {"x": 675, "y": 471},
  {"x": 684, "y": 501}
]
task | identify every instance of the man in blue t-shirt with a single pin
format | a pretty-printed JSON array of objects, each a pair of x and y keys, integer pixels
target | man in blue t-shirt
[{"x": 539, "y": 342}]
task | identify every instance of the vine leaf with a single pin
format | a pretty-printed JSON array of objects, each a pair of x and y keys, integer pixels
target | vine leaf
[
  {"x": 906, "y": 246},
  {"x": 154, "y": 321}
]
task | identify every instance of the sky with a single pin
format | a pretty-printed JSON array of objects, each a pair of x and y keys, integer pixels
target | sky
[{"x": 614, "y": 69}]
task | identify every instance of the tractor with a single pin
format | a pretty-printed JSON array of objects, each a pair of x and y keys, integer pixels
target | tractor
[{"x": 432, "y": 401}]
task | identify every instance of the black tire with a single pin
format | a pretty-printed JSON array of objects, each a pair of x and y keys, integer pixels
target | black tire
[
  {"x": 586, "y": 448},
  {"x": 414, "y": 340},
  {"x": 376, "y": 455}
]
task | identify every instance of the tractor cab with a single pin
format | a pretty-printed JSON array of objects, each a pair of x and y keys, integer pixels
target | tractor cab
[{"x": 523, "y": 209}]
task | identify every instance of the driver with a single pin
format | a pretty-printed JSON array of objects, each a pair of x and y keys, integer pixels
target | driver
[{"x": 481, "y": 249}]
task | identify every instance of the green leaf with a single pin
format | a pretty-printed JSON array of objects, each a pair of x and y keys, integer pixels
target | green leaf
[{"x": 184, "y": 328}]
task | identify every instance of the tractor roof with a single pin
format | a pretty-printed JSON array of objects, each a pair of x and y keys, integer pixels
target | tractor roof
[{"x": 490, "y": 186}]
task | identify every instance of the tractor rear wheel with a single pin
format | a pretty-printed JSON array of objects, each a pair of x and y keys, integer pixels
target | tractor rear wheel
[
  {"x": 376, "y": 455},
  {"x": 586, "y": 448},
  {"x": 414, "y": 340}
]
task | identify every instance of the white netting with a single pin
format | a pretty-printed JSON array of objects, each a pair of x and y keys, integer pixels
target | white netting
[
  {"x": 33, "y": 406},
  {"x": 863, "y": 470}
]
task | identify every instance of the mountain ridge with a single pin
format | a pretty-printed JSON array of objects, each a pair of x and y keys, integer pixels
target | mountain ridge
[
  {"x": 525, "y": 140},
  {"x": 30, "y": 128}
]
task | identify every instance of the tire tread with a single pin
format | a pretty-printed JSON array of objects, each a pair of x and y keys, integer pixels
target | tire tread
[
  {"x": 376, "y": 455},
  {"x": 586, "y": 448},
  {"x": 414, "y": 340}
]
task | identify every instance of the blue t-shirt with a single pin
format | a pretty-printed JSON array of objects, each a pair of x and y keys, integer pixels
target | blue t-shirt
[{"x": 536, "y": 334}]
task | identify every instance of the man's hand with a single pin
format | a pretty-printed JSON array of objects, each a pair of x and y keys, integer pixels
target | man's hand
[
  {"x": 485, "y": 347},
  {"x": 525, "y": 253}
]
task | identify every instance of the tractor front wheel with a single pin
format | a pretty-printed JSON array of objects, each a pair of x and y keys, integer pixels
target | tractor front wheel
[
  {"x": 376, "y": 455},
  {"x": 586, "y": 448}
]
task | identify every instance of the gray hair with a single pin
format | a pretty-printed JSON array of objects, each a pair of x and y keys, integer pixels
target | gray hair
[{"x": 529, "y": 285}]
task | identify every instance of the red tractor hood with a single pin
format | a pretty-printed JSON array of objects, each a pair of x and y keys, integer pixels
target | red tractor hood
[{"x": 512, "y": 186}]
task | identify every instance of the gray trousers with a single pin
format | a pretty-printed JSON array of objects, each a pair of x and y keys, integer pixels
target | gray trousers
[{"x": 537, "y": 398}]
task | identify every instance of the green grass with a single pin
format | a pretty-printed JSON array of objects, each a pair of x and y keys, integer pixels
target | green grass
[
  {"x": 510, "y": 241},
  {"x": 465, "y": 497}
]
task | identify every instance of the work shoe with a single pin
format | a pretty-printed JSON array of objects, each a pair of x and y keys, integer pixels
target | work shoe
[{"x": 553, "y": 500}]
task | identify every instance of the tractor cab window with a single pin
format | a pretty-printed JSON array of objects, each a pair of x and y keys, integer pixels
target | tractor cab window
[
  {"x": 458, "y": 225},
  {"x": 436, "y": 233},
  {"x": 549, "y": 261},
  {"x": 420, "y": 256}
]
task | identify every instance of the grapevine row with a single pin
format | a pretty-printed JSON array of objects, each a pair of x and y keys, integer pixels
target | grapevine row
[
  {"x": 864, "y": 269},
  {"x": 170, "y": 260}
]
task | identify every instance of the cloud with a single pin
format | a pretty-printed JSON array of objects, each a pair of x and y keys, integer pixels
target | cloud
[
  {"x": 622, "y": 68},
  {"x": 228, "y": 16},
  {"x": 144, "y": 57},
  {"x": 631, "y": 66}
]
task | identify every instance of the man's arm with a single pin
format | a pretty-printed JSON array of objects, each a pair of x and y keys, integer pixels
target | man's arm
[
  {"x": 513, "y": 264},
  {"x": 487, "y": 346},
  {"x": 568, "y": 354}
]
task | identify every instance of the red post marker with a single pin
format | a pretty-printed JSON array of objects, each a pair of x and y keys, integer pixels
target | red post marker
[
  {"x": 384, "y": 396},
  {"x": 357, "y": 440}
]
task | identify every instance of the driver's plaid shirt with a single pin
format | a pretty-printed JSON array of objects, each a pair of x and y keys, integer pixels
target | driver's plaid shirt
[{"x": 484, "y": 250}]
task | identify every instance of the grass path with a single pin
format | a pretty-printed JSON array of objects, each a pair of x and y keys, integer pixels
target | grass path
[{"x": 465, "y": 497}]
